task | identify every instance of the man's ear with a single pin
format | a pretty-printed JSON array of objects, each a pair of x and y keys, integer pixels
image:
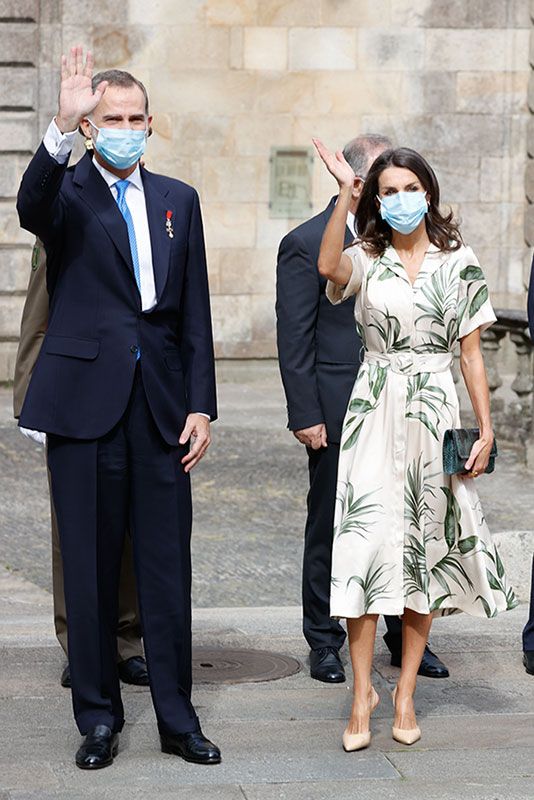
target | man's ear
[
  {"x": 357, "y": 187},
  {"x": 85, "y": 128}
]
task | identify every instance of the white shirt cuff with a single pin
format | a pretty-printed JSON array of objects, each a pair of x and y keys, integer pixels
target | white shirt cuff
[
  {"x": 202, "y": 414},
  {"x": 59, "y": 145},
  {"x": 36, "y": 436}
]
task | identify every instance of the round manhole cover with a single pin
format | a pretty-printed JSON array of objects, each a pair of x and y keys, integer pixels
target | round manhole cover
[{"x": 225, "y": 665}]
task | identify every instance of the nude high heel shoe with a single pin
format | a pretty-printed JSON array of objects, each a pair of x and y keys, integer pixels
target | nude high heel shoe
[
  {"x": 404, "y": 735},
  {"x": 359, "y": 741}
]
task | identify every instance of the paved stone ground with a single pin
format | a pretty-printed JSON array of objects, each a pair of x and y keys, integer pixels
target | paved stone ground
[
  {"x": 280, "y": 740},
  {"x": 249, "y": 495}
]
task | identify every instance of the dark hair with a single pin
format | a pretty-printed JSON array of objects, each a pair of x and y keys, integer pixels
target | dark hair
[
  {"x": 358, "y": 151},
  {"x": 374, "y": 234},
  {"x": 119, "y": 77}
]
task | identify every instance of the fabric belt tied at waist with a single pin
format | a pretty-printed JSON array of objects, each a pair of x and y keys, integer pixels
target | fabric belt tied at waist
[{"x": 410, "y": 363}]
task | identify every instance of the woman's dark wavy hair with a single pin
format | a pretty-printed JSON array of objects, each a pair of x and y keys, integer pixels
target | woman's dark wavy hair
[{"x": 374, "y": 234}]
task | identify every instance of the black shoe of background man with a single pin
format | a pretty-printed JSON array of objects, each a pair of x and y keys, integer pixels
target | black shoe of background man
[
  {"x": 528, "y": 661},
  {"x": 431, "y": 666},
  {"x": 65, "y": 677},
  {"x": 326, "y": 666},
  {"x": 134, "y": 671},
  {"x": 98, "y": 749},
  {"x": 192, "y": 747}
]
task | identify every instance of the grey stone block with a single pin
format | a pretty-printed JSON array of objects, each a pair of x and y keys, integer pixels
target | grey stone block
[
  {"x": 428, "y": 92},
  {"x": 8, "y": 352},
  {"x": 11, "y": 169},
  {"x": 473, "y": 764},
  {"x": 19, "y": 43},
  {"x": 17, "y": 132},
  {"x": 15, "y": 267},
  {"x": 452, "y": 14},
  {"x": 19, "y": 86},
  {"x": 19, "y": 9},
  {"x": 515, "y": 789},
  {"x": 10, "y": 314},
  {"x": 31, "y": 776},
  {"x": 177, "y": 792},
  {"x": 529, "y": 225}
]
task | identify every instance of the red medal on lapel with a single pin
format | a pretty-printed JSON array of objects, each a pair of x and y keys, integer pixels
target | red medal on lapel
[{"x": 168, "y": 225}]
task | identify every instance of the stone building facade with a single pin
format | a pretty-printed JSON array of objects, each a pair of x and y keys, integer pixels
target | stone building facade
[{"x": 229, "y": 79}]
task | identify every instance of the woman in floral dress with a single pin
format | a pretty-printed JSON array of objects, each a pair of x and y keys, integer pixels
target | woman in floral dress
[{"x": 408, "y": 539}]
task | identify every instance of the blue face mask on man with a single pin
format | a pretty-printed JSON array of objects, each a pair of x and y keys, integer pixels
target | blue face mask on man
[
  {"x": 403, "y": 211},
  {"x": 120, "y": 147}
]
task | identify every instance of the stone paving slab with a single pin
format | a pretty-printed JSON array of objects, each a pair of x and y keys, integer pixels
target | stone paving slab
[
  {"x": 249, "y": 496},
  {"x": 515, "y": 789},
  {"x": 518, "y": 762}
]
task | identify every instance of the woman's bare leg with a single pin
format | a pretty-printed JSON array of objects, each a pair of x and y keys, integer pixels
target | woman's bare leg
[
  {"x": 362, "y": 632},
  {"x": 415, "y": 631}
]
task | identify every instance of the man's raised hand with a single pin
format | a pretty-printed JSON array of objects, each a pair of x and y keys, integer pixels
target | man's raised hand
[{"x": 76, "y": 96}]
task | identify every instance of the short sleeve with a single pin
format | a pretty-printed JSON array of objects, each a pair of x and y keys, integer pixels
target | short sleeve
[
  {"x": 336, "y": 293},
  {"x": 474, "y": 304}
]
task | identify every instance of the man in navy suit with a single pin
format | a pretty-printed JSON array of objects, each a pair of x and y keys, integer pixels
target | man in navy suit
[
  {"x": 124, "y": 387},
  {"x": 528, "y": 632},
  {"x": 319, "y": 354}
]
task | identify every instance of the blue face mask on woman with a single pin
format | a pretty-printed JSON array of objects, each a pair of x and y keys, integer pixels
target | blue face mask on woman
[
  {"x": 120, "y": 147},
  {"x": 403, "y": 211}
]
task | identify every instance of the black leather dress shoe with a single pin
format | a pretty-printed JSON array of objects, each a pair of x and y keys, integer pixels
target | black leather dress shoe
[
  {"x": 134, "y": 671},
  {"x": 326, "y": 666},
  {"x": 528, "y": 661},
  {"x": 65, "y": 677},
  {"x": 431, "y": 666},
  {"x": 192, "y": 747},
  {"x": 99, "y": 748}
]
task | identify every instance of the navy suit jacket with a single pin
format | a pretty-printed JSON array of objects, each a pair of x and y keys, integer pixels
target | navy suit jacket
[
  {"x": 318, "y": 346},
  {"x": 83, "y": 377},
  {"x": 530, "y": 302}
]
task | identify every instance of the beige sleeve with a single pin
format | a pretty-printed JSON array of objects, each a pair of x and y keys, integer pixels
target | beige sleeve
[{"x": 32, "y": 328}]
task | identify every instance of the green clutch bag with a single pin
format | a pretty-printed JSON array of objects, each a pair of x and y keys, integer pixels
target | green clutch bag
[{"x": 457, "y": 444}]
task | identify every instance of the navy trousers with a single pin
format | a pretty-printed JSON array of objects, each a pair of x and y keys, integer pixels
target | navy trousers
[
  {"x": 528, "y": 633},
  {"x": 129, "y": 478},
  {"x": 320, "y": 630}
]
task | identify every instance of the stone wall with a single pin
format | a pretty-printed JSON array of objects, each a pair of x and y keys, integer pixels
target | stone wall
[{"x": 230, "y": 78}]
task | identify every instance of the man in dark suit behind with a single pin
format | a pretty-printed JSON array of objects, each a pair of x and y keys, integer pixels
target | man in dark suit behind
[
  {"x": 528, "y": 632},
  {"x": 319, "y": 356},
  {"x": 124, "y": 388}
]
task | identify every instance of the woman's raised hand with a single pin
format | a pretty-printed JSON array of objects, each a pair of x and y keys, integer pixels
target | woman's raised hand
[
  {"x": 76, "y": 96},
  {"x": 336, "y": 164}
]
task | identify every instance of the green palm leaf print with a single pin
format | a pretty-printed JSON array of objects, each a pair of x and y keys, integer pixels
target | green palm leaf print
[
  {"x": 415, "y": 567},
  {"x": 360, "y": 407},
  {"x": 389, "y": 331},
  {"x": 356, "y": 513},
  {"x": 416, "y": 491},
  {"x": 374, "y": 585},
  {"x": 478, "y": 300},
  {"x": 450, "y": 566},
  {"x": 472, "y": 273},
  {"x": 429, "y": 401},
  {"x": 453, "y": 514}
]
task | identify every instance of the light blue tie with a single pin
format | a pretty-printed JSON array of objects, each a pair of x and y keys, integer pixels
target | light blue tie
[{"x": 121, "y": 187}]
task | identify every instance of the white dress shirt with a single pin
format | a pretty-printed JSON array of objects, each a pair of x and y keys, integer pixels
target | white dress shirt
[{"x": 351, "y": 223}]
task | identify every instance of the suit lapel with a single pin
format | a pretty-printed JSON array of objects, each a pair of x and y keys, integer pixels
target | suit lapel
[
  {"x": 95, "y": 192},
  {"x": 157, "y": 206}
]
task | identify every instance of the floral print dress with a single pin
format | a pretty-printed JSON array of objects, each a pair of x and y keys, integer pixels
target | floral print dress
[{"x": 405, "y": 534}]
